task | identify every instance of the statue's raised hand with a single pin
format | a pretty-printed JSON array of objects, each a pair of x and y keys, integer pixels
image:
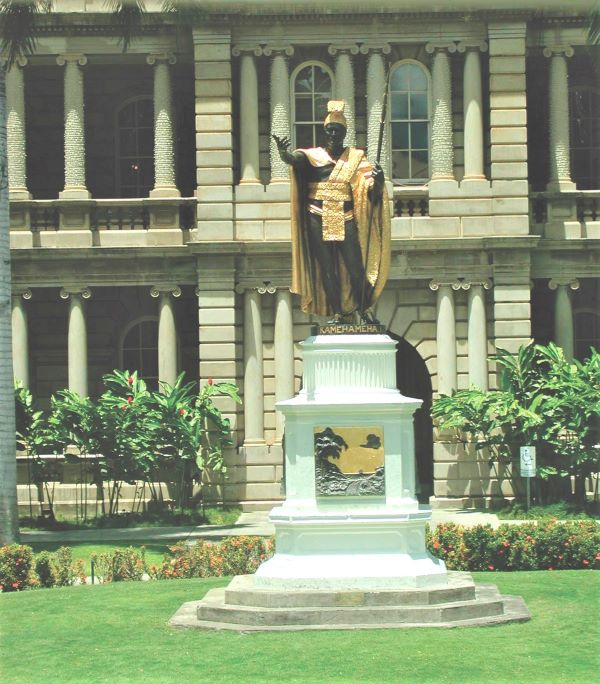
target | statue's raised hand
[{"x": 283, "y": 147}]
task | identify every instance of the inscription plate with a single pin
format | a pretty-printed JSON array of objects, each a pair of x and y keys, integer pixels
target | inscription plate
[{"x": 349, "y": 329}]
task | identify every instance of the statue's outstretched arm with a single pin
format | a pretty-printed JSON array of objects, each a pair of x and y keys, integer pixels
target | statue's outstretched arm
[{"x": 283, "y": 147}]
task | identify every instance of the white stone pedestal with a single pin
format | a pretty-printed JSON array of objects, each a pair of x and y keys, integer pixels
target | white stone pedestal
[{"x": 334, "y": 541}]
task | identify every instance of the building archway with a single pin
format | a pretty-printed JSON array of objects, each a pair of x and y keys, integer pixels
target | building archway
[{"x": 413, "y": 380}]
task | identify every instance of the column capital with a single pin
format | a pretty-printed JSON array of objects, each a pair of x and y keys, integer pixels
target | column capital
[
  {"x": 383, "y": 48},
  {"x": 69, "y": 291},
  {"x": 555, "y": 283},
  {"x": 436, "y": 284},
  {"x": 343, "y": 48},
  {"x": 76, "y": 57},
  {"x": 275, "y": 50},
  {"x": 486, "y": 283},
  {"x": 558, "y": 50},
  {"x": 155, "y": 58},
  {"x": 21, "y": 292},
  {"x": 157, "y": 290},
  {"x": 266, "y": 287},
  {"x": 440, "y": 45},
  {"x": 466, "y": 45},
  {"x": 20, "y": 61},
  {"x": 252, "y": 50}
]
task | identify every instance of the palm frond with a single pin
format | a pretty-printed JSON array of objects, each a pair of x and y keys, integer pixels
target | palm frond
[
  {"x": 594, "y": 28},
  {"x": 127, "y": 17},
  {"x": 18, "y": 27}
]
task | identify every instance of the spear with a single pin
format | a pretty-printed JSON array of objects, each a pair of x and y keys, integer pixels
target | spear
[{"x": 382, "y": 122}]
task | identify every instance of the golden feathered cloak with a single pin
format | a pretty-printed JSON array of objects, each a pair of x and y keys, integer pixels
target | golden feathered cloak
[{"x": 306, "y": 275}]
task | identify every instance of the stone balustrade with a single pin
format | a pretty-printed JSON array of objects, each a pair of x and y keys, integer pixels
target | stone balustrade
[{"x": 565, "y": 215}]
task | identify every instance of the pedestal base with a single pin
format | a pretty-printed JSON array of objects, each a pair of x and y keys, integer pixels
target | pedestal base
[
  {"x": 350, "y": 547},
  {"x": 245, "y": 606}
]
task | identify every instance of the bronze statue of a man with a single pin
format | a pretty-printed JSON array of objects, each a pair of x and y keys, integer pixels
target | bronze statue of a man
[{"x": 340, "y": 224}]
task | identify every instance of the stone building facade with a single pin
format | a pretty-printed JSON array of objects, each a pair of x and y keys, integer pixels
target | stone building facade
[{"x": 150, "y": 210}]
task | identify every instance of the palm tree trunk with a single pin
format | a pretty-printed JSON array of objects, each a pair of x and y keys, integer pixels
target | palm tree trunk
[{"x": 9, "y": 517}]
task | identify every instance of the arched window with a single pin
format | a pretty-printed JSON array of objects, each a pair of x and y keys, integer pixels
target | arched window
[
  {"x": 134, "y": 152},
  {"x": 409, "y": 117},
  {"x": 139, "y": 349},
  {"x": 585, "y": 137},
  {"x": 312, "y": 87}
]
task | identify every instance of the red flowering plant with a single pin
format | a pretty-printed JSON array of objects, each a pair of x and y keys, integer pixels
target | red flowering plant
[
  {"x": 16, "y": 568},
  {"x": 189, "y": 432}
]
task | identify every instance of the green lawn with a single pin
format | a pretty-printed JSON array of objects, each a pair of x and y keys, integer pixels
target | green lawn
[{"x": 118, "y": 633}]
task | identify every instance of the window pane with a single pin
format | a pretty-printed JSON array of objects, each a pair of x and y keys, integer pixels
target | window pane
[
  {"x": 304, "y": 81},
  {"x": 129, "y": 170},
  {"x": 418, "y": 135},
  {"x": 400, "y": 165},
  {"x": 131, "y": 339},
  {"x": 304, "y": 136},
  {"x": 145, "y": 113},
  {"x": 399, "y": 106},
  {"x": 418, "y": 106},
  {"x": 322, "y": 80},
  {"x": 418, "y": 79},
  {"x": 127, "y": 142},
  {"x": 321, "y": 107},
  {"x": 420, "y": 164},
  {"x": 145, "y": 142},
  {"x": 304, "y": 108},
  {"x": 127, "y": 115},
  {"x": 131, "y": 359},
  {"x": 149, "y": 363},
  {"x": 399, "y": 136},
  {"x": 399, "y": 79}
]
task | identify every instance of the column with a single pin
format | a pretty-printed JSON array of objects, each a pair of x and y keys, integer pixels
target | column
[
  {"x": 442, "y": 142},
  {"x": 20, "y": 336},
  {"x": 344, "y": 85},
  {"x": 249, "y": 148},
  {"x": 284, "y": 354},
  {"x": 164, "y": 146},
  {"x": 446, "y": 335},
  {"x": 564, "y": 333},
  {"x": 77, "y": 339},
  {"x": 167, "y": 332},
  {"x": 16, "y": 146},
  {"x": 254, "y": 424},
  {"x": 74, "y": 126},
  {"x": 280, "y": 104},
  {"x": 560, "y": 154},
  {"x": 477, "y": 333},
  {"x": 375, "y": 91},
  {"x": 473, "y": 110}
]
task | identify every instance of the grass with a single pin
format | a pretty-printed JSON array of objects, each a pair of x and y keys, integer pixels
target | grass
[
  {"x": 118, "y": 633},
  {"x": 561, "y": 511},
  {"x": 208, "y": 516}
]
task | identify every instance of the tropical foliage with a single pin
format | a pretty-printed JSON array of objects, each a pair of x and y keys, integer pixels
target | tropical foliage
[
  {"x": 130, "y": 434},
  {"x": 545, "y": 401}
]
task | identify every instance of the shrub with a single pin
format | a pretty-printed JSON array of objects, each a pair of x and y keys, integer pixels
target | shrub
[
  {"x": 549, "y": 545},
  {"x": 120, "y": 565},
  {"x": 68, "y": 571},
  {"x": 45, "y": 569},
  {"x": 16, "y": 568},
  {"x": 232, "y": 556}
]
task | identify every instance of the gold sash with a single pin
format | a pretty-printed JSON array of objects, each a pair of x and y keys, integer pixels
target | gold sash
[{"x": 337, "y": 190}]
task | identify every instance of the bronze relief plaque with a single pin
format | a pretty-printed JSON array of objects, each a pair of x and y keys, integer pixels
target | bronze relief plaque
[{"x": 349, "y": 461}]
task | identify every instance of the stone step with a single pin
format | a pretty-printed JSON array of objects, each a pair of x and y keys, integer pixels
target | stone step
[
  {"x": 244, "y": 592},
  {"x": 214, "y": 609}
]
